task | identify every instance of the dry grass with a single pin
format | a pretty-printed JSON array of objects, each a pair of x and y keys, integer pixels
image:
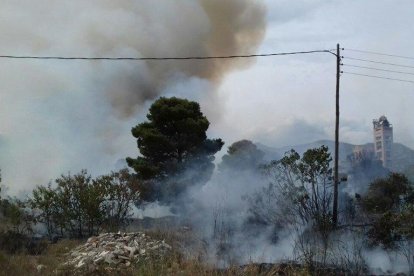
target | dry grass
[
  {"x": 173, "y": 265},
  {"x": 50, "y": 262},
  {"x": 176, "y": 263},
  {"x": 24, "y": 264}
]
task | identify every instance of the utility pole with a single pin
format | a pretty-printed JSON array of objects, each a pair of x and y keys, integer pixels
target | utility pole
[{"x": 336, "y": 173}]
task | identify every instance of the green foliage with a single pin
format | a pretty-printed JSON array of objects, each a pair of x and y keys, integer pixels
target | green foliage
[
  {"x": 46, "y": 200},
  {"x": 15, "y": 216},
  {"x": 122, "y": 191},
  {"x": 299, "y": 198},
  {"x": 172, "y": 142},
  {"x": 406, "y": 220},
  {"x": 83, "y": 201},
  {"x": 80, "y": 206},
  {"x": 384, "y": 230},
  {"x": 242, "y": 155},
  {"x": 387, "y": 194},
  {"x": 16, "y": 222},
  {"x": 300, "y": 191},
  {"x": 389, "y": 205}
]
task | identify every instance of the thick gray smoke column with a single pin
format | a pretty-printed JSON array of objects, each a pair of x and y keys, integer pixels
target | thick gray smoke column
[{"x": 180, "y": 29}]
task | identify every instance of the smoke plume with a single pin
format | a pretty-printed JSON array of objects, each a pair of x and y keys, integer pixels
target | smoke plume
[
  {"x": 169, "y": 29},
  {"x": 59, "y": 116}
]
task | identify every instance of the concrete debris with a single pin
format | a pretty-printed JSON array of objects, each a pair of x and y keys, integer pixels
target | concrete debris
[{"x": 119, "y": 249}]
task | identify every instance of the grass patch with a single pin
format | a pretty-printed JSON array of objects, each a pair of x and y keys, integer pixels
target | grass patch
[
  {"x": 47, "y": 263},
  {"x": 177, "y": 263}
]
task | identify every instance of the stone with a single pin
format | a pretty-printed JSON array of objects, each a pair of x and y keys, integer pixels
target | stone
[
  {"x": 91, "y": 240},
  {"x": 119, "y": 249},
  {"x": 123, "y": 257},
  {"x": 80, "y": 264},
  {"x": 40, "y": 267}
]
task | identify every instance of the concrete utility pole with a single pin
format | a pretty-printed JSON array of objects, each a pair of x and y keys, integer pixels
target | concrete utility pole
[{"x": 336, "y": 173}]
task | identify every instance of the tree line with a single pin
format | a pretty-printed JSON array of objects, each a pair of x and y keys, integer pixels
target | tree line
[
  {"x": 175, "y": 155},
  {"x": 79, "y": 206}
]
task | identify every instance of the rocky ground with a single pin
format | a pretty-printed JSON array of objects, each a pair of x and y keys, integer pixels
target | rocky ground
[{"x": 117, "y": 249}]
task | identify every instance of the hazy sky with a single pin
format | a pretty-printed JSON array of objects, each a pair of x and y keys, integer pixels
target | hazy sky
[
  {"x": 289, "y": 100},
  {"x": 60, "y": 116}
]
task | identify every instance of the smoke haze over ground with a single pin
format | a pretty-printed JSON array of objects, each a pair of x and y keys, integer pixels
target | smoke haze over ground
[
  {"x": 65, "y": 116},
  {"x": 220, "y": 214}
]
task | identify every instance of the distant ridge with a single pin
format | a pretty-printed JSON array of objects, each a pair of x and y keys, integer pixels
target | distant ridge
[{"x": 402, "y": 156}]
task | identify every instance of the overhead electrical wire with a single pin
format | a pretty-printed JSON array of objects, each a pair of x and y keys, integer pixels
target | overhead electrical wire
[
  {"x": 378, "y": 69},
  {"x": 390, "y": 64},
  {"x": 163, "y": 58},
  {"x": 377, "y": 53},
  {"x": 378, "y": 77},
  {"x": 378, "y": 62},
  {"x": 331, "y": 51}
]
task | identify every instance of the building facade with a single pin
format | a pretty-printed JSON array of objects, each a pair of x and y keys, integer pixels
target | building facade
[
  {"x": 361, "y": 153},
  {"x": 383, "y": 140}
]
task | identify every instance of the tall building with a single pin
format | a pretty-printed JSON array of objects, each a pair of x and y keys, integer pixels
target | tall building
[{"x": 383, "y": 140}]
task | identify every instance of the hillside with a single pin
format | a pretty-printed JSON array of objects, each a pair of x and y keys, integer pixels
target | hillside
[
  {"x": 344, "y": 148},
  {"x": 403, "y": 156}
]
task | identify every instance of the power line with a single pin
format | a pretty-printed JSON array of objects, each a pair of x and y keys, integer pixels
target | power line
[
  {"x": 377, "y": 77},
  {"x": 380, "y": 62},
  {"x": 378, "y": 69},
  {"x": 164, "y": 58},
  {"x": 377, "y": 53}
]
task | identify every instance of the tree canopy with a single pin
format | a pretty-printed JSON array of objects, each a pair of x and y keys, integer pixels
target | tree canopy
[
  {"x": 389, "y": 204},
  {"x": 242, "y": 155},
  {"x": 175, "y": 150},
  {"x": 80, "y": 206},
  {"x": 299, "y": 198},
  {"x": 300, "y": 188}
]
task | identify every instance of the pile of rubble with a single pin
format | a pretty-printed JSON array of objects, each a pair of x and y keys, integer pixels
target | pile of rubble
[{"x": 120, "y": 249}]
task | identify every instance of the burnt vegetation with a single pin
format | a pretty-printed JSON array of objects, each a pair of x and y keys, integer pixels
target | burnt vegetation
[{"x": 287, "y": 199}]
